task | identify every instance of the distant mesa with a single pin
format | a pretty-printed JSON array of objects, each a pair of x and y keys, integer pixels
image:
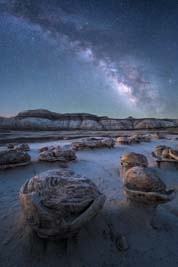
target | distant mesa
[
  {"x": 43, "y": 119},
  {"x": 44, "y": 113}
]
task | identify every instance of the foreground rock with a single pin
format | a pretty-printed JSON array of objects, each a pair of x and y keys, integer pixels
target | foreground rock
[
  {"x": 57, "y": 203},
  {"x": 13, "y": 158},
  {"x": 57, "y": 153},
  {"x": 144, "y": 191},
  {"x": 143, "y": 184},
  {"x": 93, "y": 143},
  {"x": 42, "y": 119}
]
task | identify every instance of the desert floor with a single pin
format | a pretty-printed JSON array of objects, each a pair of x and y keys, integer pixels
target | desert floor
[{"x": 96, "y": 244}]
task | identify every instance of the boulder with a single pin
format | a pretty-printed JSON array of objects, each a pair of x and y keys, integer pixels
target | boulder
[
  {"x": 144, "y": 185},
  {"x": 57, "y": 153},
  {"x": 123, "y": 140},
  {"x": 132, "y": 159},
  {"x": 57, "y": 203},
  {"x": 93, "y": 143},
  {"x": 165, "y": 157},
  {"x": 162, "y": 152},
  {"x": 144, "y": 191},
  {"x": 13, "y": 158}
]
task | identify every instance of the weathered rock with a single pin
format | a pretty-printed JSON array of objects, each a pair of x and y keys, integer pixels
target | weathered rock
[
  {"x": 57, "y": 203},
  {"x": 57, "y": 154},
  {"x": 93, "y": 143},
  {"x": 143, "y": 137},
  {"x": 42, "y": 149},
  {"x": 165, "y": 157},
  {"x": 132, "y": 159},
  {"x": 13, "y": 158},
  {"x": 11, "y": 146},
  {"x": 133, "y": 139},
  {"x": 144, "y": 191},
  {"x": 22, "y": 147},
  {"x": 144, "y": 185},
  {"x": 123, "y": 140},
  {"x": 162, "y": 152},
  {"x": 154, "y": 123},
  {"x": 173, "y": 154}
]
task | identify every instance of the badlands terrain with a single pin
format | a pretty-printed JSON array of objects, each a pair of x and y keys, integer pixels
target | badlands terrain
[{"x": 97, "y": 244}]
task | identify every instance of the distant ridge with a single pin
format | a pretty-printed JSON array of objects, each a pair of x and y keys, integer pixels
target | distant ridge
[{"x": 43, "y": 119}]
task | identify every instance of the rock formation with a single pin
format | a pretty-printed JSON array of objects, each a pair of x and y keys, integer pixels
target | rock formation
[
  {"x": 92, "y": 142},
  {"x": 144, "y": 191},
  {"x": 57, "y": 153},
  {"x": 162, "y": 152},
  {"x": 41, "y": 119},
  {"x": 123, "y": 140},
  {"x": 20, "y": 147},
  {"x": 57, "y": 203},
  {"x": 132, "y": 159},
  {"x": 13, "y": 158},
  {"x": 165, "y": 156},
  {"x": 133, "y": 139}
]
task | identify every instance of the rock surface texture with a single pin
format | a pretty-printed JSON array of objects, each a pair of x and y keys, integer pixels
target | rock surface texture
[
  {"x": 165, "y": 157},
  {"x": 57, "y": 203},
  {"x": 132, "y": 159},
  {"x": 92, "y": 142},
  {"x": 144, "y": 191},
  {"x": 57, "y": 153},
  {"x": 13, "y": 158},
  {"x": 41, "y": 119},
  {"x": 20, "y": 147},
  {"x": 162, "y": 152},
  {"x": 144, "y": 185}
]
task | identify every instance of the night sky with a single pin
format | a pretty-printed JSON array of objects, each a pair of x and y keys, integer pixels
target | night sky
[{"x": 108, "y": 57}]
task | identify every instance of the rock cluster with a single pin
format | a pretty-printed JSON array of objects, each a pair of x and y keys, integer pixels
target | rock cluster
[
  {"x": 57, "y": 203},
  {"x": 13, "y": 158},
  {"x": 93, "y": 143},
  {"x": 57, "y": 153}
]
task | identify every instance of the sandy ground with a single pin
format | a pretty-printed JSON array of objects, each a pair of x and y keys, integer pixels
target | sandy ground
[
  {"x": 96, "y": 244},
  {"x": 44, "y": 136}
]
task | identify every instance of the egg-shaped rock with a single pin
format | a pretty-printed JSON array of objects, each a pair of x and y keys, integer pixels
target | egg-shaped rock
[{"x": 57, "y": 203}]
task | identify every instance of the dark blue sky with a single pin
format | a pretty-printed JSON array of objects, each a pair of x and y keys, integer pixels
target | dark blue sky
[{"x": 115, "y": 58}]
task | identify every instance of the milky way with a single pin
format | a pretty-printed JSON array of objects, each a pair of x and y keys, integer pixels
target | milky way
[{"x": 131, "y": 49}]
